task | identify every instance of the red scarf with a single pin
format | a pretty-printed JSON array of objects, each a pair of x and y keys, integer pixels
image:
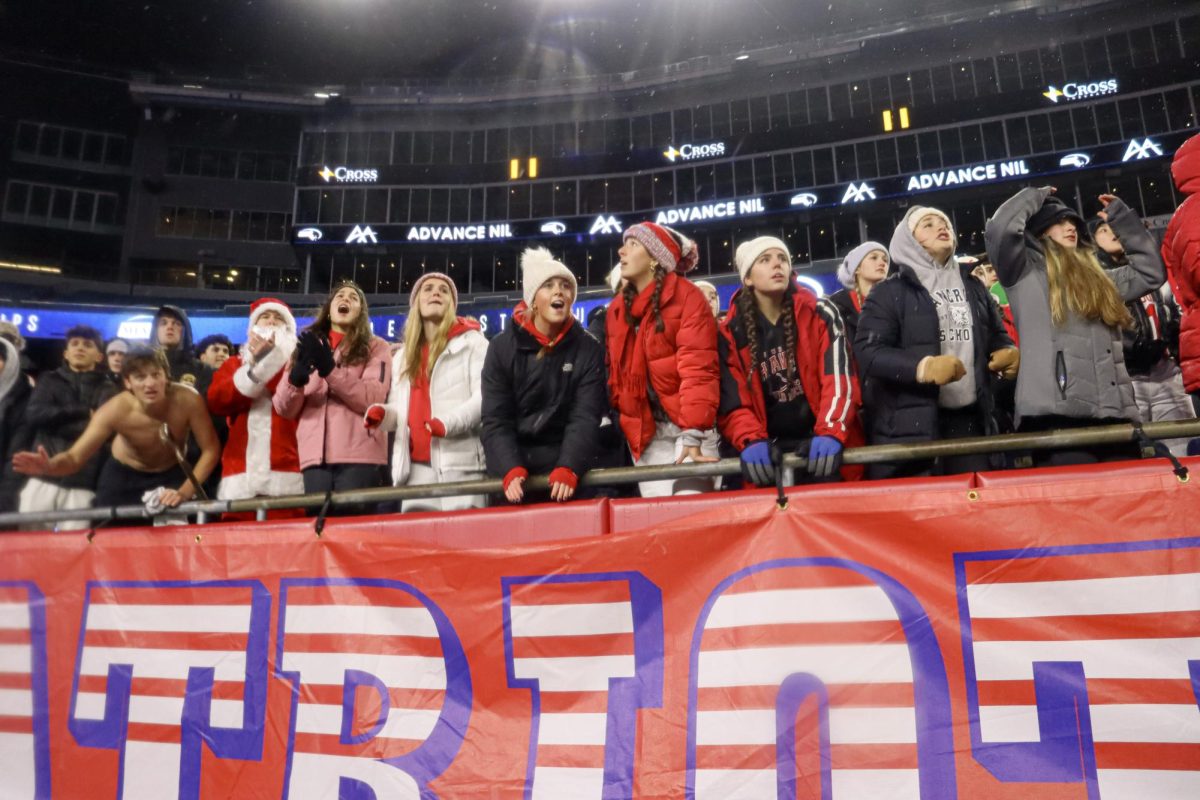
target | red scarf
[
  {"x": 524, "y": 319},
  {"x": 630, "y": 375}
]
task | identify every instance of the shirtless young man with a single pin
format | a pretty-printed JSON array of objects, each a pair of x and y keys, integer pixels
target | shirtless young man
[{"x": 140, "y": 461}]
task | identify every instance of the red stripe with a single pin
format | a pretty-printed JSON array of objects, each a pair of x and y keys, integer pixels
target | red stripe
[
  {"x": 421, "y": 699},
  {"x": 10, "y": 636},
  {"x": 1082, "y": 567},
  {"x": 166, "y": 640},
  {"x": 557, "y": 594},
  {"x": 850, "y": 695},
  {"x": 842, "y": 756},
  {"x": 330, "y": 744},
  {"x": 176, "y": 596},
  {"x": 16, "y": 680},
  {"x": 578, "y": 702},
  {"x": 1183, "y": 624},
  {"x": 154, "y": 732},
  {"x": 366, "y": 644},
  {"x": 741, "y": 756},
  {"x": 13, "y": 724},
  {"x": 161, "y": 687},
  {"x": 585, "y": 756},
  {"x": 351, "y": 596},
  {"x": 802, "y": 633},
  {"x": 798, "y": 578},
  {"x": 14, "y": 594},
  {"x": 1121, "y": 755},
  {"x": 615, "y": 644}
]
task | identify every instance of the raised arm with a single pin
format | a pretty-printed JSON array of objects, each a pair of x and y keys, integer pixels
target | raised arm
[
  {"x": 1145, "y": 271},
  {"x": 1005, "y": 233}
]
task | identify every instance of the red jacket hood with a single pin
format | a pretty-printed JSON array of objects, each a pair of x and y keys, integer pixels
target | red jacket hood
[
  {"x": 462, "y": 325},
  {"x": 1185, "y": 167}
]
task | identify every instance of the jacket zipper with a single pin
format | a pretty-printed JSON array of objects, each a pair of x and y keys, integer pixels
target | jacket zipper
[{"x": 1060, "y": 373}]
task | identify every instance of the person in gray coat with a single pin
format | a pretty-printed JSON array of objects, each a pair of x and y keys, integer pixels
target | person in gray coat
[{"x": 1063, "y": 300}]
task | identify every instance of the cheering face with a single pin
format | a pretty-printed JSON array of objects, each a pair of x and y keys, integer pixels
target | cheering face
[
  {"x": 1107, "y": 241},
  {"x": 933, "y": 234},
  {"x": 873, "y": 268},
  {"x": 148, "y": 384},
  {"x": 270, "y": 319},
  {"x": 170, "y": 331},
  {"x": 1063, "y": 234},
  {"x": 345, "y": 307},
  {"x": 553, "y": 299},
  {"x": 82, "y": 354},
  {"x": 435, "y": 301},
  {"x": 215, "y": 355},
  {"x": 771, "y": 272},
  {"x": 985, "y": 273},
  {"x": 636, "y": 261}
]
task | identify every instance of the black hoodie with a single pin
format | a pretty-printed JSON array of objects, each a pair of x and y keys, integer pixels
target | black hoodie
[{"x": 185, "y": 367}]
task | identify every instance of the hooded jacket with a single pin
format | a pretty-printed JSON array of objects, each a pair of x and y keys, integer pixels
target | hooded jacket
[
  {"x": 681, "y": 366},
  {"x": 182, "y": 358},
  {"x": 59, "y": 410},
  {"x": 14, "y": 434},
  {"x": 542, "y": 410},
  {"x": 1181, "y": 252},
  {"x": 822, "y": 360},
  {"x": 1155, "y": 330},
  {"x": 1076, "y": 369},
  {"x": 455, "y": 399},
  {"x": 897, "y": 328}
]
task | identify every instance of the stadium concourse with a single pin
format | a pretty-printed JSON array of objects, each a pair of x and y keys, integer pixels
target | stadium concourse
[{"x": 601, "y": 400}]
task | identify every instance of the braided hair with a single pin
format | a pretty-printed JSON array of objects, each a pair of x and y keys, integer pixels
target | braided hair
[
  {"x": 747, "y": 313},
  {"x": 629, "y": 293}
]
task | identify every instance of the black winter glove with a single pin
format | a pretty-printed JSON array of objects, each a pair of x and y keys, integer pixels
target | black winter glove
[
  {"x": 298, "y": 377},
  {"x": 322, "y": 356},
  {"x": 305, "y": 344}
]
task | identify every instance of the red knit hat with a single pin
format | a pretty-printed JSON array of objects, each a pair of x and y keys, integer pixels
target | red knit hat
[
  {"x": 673, "y": 251},
  {"x": 412, "y": 296},
  {"x": 272, "y": 304}
]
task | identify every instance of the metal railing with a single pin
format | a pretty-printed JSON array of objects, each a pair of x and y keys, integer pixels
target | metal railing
[{"x": 623, "y": 476}]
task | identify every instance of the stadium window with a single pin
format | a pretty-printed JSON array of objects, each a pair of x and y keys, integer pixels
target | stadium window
[
  {"x": 357, "y": 147},
  {"x": 777, "y": 112},
  {"x": 1118, "y": 52},
  {"x": 440, "y": 147},
  {"x": 881, "y": 95},
  {"x": 818, "y": 105},
  {"x": 1132, "y": 123},
  {"x": 1084, "y": 124},
  {"x": 166, "y": 221},
  {"x": 1154, "y": 113},
  {"x": 331, "y": 207},
  {"x": 664, "y": 190},
  {"x": 439, "y": 204},
  {"x": 27, "y": 137},
  {"x": 352, "y": 206},
  {"x": 864, "y": 156},
  {"x": 518, "y": 142},
  {"x": 85, "y": 207},
  {"x": 1179, "y": 112},
  {"x": 1008, "y": 73},
  {"x": 518, "y": 201},
  {"x": 1108, "y": 122},
  {"x": 701, "y": 127},
  {"x": 1095, "y": 53},
  {"x": 398, "y": 203},
  {"x": 619, "y": 194},
  {"x": 643, "y": 190},
  {"x": 377, "y": 201},
  {"x": 713, "y": 181},
  {"x": 906, "y": 149},
  {"x": 823, "y": 173},
  {"x": 72, "y": 144},
  {"x": 201, "y": 223},
  {"x": 820, "y": 238},
  {"x": 1018, "y": 137},
  {"x": 886, "y": 151},
  {"x": 379, "y": 150},
  {"x": 566, "y": 196},
  {"x": 418, "y": 209},
  {"x": 1141, "y": 46},
  {"x": 900, "y": 91},
  {"x": 802, "y": 167},
  {"x": 495, "y": 208},
  {"x": 972, "y": 144},
  {"x": 258, "y": 226},
  {"x": 985, "y": 77},
  {"x": 839, "y": 101},
  {"x": 460, "y": 147},
  {"x": 847, "y": 168},
  {"x": 106, "y": 209},
  {"x": 922, "y": 87},
  {"x": 1157, "y": 194},
  {"x": 739, "y": 117},
  {"x": 927, "y": 146},
  {"x": 685, "y": 184},
  {"x": 846, "y": 233},
  {"x": 185, "y": 222},
  {"x": 1039, "y": 134},
  {"x": 1031, "y": 69},
  {"x": 1189, "y": 30},
  {"x": 797, "y": 108},
  {"x": 1073, "y": 61},
  {"x": 422, "y": 151},
  {"x": 310, "y": 148},
  {"x": 785, "y": 178},
  {"x": 764, "y": 180},
  {"x": 219, "y": 224},
  {"x": 541, "y": 201},
  {"x": 402, "y": 143},
  {"x": 994, "y": 147},
  {"x": 226, "y": 164},
  {"x": 1052, "y": 67},
  {"x": 1060, "y": 130},
  {"x": 743, "y": 177},
  {"x": 962, "y": 76},
  {"x": 239, "y": 226},
  {"x": 860, "y": 99}
]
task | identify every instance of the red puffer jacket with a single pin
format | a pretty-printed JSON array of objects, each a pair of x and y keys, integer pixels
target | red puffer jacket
[
  {"x": 1181, "y": 253},
  {"x": 826, "y": 373},
  {"x": 681, "y": 362}
]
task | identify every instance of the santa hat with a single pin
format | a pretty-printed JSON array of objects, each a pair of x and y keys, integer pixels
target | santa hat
[
  {"x": 748, "y": 252},
  {"x": 673, "y": 251},
  {"x": 537, "y": 267},
  {"x": 264, "y": 304},
  {"x": 412, "y": 296},
  {"x": 918, "y": 213},
  {"x": 850, "y": 264}
]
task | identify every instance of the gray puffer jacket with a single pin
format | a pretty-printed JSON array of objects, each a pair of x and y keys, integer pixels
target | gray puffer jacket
[{"x": 1076, "y": 369}]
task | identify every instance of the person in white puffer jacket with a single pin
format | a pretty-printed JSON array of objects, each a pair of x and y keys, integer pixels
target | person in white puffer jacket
[{"x": 434, "y": 402}]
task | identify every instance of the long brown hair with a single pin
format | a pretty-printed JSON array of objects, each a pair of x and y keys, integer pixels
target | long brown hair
[
  {"x": 414, "y": 338},
  {"x": 1079, "y": 284},
  {"x": 356, "y": 346},
  {"x": 629, "y": 293},
  {"x": 747, "y": 317}
]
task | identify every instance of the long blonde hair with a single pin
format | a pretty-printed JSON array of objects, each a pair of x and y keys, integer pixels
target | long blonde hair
[
  {"x": 414, "y": 338},
  {"x": 1078, "y": 283}
]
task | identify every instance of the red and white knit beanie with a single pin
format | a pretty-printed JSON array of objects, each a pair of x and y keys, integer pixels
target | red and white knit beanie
[{"x": 673, "y": 251}]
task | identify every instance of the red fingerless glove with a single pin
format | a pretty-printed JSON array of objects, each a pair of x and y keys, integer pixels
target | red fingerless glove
[
  {"x": 564, "y": 475},
  {"x": 513, "y": 474},
  {"x": 374, "y": 417},
  {"x": 437, "y": 427}
]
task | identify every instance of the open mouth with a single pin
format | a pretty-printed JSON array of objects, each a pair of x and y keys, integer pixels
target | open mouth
[
  {"x": 558, "y": 305},
  {"x": 343, "y": 308}
]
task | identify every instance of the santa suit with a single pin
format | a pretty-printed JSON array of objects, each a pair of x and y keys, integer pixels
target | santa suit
[{"x": 260, "y": 457}]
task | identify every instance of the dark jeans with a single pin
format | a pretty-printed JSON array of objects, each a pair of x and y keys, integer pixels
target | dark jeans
[
  {"x": 122, "y": 485},
  {"x": 958, "y": 423},
  {"x": 343, "y": 477},
  {"x": 1092, "y": 454}
]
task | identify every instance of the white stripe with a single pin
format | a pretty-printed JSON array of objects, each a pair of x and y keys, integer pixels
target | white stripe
[
  {"x": 1129, "y": 722},
  {"x": 574, "y": 674},
  {"x": 833, "y": 664},
  {"x": 14, "y": 616},
  {"x": 167, "y": 618},
  {"x": 361, "y": 620},
  {"x": 572, "y": 729},
  {"x": 575, "y": 619},
  {"x": 402, "y": 723},
  {"x": 16, "y": 658},
  {"x": 229, "y": 665},
  {"x": 1165, "y": 659},
  {"x": 16, "y": 754},
  {"x": 735, "y": 784},
  {"x": 16, "y": 703},
  {"x": 150, "y": 771},
  {"x": 839, "y": 366},
  {"x": 846, "y": 726},
  {"x": 1143, "y": 594},
  {"x": 892, "y": 784},
  {"x": 560, "y": 783},
  {"x": 159, "y": 710},
  {"x": 783, "y": 606},
  {"x": 397, "y": 672},
  {"x": 1148, "y": 784}
]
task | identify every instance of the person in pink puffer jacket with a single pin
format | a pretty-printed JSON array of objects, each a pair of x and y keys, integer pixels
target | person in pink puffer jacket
[
  {"x": 1181, "y": 253},
  {"x": 338, "y": 370}
]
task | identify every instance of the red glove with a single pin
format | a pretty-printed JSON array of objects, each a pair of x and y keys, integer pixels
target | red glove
[
  {"x": 564, "y": 475},
  {"x": 374, "y": 417},
  {"x": 513, "y": 474},
  {"x": 437, "y": 427}
]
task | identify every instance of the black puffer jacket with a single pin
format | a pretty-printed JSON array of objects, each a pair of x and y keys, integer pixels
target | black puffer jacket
[
  {"x": 59, "y": 410},
  {"x": 14, "y": 433},
  {"x": 899, "y": 327},
  {"x": 844, "y": 300},
  {"x": 542, "y": 413},
  {"x": 1147, "y": 342},
  {"x": 185, "y": 367}
]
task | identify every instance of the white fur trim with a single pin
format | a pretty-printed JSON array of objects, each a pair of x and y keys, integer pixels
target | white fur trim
[
  {"x": 245, "y": 384},
  {"x": 279, "y": 309},
  {"x": 270, "y": 484},
  {"x": 267, "y": 368}
]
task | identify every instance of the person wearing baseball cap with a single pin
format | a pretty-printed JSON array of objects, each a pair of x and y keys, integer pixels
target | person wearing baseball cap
[
  {"x": 1063, "y": 299},
  {"x": 434, "y": 403},
  {"x": 662, "y": 355},
  {"x": 786, "y": 373},
  {"x": 543, "y": 387}
]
